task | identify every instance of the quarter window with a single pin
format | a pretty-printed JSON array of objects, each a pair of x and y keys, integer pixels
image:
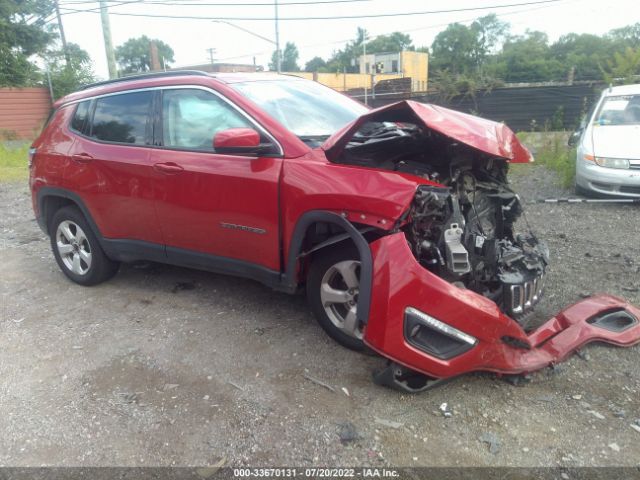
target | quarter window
[
  {"x": 122, "y": 118},
  {"x": 191, "y": 118},
  {"x": 80, "y": 117}
]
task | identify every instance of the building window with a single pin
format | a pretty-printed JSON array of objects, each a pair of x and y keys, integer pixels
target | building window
[{"x": 394, "y": 65}]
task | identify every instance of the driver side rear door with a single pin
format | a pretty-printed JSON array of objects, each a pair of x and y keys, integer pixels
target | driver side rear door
[{"x": 213, "y": 207}]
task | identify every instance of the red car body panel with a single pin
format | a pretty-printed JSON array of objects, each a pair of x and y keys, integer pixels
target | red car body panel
[
  {"x": 489, "y": 137},
  {"x": 400, "y": 282},
  {"x": 202, "y": 202}
]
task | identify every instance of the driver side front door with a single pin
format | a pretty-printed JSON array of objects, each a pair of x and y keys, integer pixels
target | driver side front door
[{"x": 211, "y": 206}]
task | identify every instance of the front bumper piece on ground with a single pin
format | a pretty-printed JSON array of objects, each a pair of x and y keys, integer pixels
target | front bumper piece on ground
[{"x": 424, "y": 324}]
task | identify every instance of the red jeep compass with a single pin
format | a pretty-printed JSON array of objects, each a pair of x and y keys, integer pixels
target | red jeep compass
[{"x": 398, "y": 222}]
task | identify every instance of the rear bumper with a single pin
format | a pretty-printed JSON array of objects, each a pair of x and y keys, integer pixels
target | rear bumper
[{"x": 501, "y": 345}]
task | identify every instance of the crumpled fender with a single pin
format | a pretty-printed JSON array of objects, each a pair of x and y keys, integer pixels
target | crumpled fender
[{"x": 399, "y": 281}]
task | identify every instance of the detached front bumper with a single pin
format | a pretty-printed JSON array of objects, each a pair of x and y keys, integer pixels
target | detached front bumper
[{"x": 487, "y": 340}]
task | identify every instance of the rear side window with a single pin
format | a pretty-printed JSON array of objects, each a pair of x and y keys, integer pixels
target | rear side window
[
  {"x": 122, "y": 118},
  {"x": 79, "y": 120}
]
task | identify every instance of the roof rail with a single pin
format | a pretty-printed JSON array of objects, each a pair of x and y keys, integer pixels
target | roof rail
[{"x": 144, "y": 76}]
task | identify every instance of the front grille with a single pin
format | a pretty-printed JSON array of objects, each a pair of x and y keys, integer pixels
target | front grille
[{"x": 523, "y": 296}]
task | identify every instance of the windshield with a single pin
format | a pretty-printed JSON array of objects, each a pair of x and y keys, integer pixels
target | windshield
[
  {"x": 619, "y": 110},
  {"x": 310, "y": 110}
]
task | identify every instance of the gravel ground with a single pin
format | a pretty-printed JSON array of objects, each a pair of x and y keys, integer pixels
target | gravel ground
[{"x": 168, "y": 366}]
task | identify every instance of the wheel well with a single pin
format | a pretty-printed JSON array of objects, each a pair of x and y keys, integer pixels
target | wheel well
[
  {"x": 51, "y": 204},
  {"x": 322, "y": 236}
]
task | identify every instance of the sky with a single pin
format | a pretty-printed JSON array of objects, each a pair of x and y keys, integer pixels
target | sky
[{"x": 190, "y": 38}]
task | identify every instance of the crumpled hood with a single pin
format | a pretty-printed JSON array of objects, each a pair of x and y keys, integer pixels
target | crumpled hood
[
  {"x": 493, "y": 138},
  {"x": 616, "y": 141}
]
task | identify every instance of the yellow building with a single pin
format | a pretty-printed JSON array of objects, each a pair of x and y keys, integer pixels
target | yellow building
[{"x": 375, "y": 68}]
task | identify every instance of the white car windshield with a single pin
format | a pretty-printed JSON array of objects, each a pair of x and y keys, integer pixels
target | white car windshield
[
  {"x": 308, "y": 109},
  {"x": 619, "y": 110}
]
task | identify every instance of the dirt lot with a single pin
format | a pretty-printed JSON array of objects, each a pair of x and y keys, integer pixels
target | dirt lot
[{"x": 168, "y": 366}]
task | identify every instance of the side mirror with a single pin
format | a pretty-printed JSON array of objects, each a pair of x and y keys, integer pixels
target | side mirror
[
  {"x": 574, "y": 138},
  {"x": 237, "y": 140}
]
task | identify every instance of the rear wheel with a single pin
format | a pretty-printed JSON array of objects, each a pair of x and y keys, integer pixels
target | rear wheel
[
  {"x": 77, "y": 250},
  {"x": 333, "y": 286}
]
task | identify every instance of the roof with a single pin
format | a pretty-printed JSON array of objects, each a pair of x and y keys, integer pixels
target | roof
[
  {"x": 623, "y": 90},
  {"x": 173, "y": 77}
]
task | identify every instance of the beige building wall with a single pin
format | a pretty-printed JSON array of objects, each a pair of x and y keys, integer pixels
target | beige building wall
[
  {"x": 344, "y": 81},
  {"x": 416, "y": 66}
]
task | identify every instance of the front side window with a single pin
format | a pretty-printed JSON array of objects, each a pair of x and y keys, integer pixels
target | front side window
[
  {"x": 192, "y": 117},
  {"x": 122, "y": 118}
]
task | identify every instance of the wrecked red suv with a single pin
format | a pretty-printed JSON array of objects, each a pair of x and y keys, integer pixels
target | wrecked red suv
[{"x": 398, "y": 221}]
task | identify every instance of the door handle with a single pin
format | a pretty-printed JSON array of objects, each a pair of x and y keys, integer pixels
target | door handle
[
  {"x": 81, "y": 157},
  {"x": 168, "y": 167}
]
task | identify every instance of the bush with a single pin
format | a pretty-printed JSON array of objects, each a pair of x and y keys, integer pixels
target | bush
[{"x": 553, "y": 153}]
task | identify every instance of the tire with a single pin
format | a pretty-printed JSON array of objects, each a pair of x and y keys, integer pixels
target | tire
[
  {"x": 77, "y": 250},
  {"x": 583, "y": 191},
  {"x": 334, "y": 275}
]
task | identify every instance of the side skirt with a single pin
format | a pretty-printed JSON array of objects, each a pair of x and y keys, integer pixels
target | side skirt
[{"x": 133, "y": 250}]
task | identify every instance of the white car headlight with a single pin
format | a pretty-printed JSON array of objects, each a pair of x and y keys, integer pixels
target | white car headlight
[{"x": 612, "y": 162}]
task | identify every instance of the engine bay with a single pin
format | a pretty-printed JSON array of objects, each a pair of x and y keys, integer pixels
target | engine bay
[{"x": 462, "y": 227}]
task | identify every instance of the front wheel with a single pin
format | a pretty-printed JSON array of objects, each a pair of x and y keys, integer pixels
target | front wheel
[{"x": 333, "y": 286}]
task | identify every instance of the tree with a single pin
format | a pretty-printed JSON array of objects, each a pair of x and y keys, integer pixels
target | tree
[
  {"x": 68, "y": 78},
  {"x": 394, "y": 42},
  {"x": 134, "y": 55},
  {"x": 316, "y": 64},
  {"x": 628, "y": 36},
  {"x": 22, "y": 34},
  {"x": 453, "y": 49},
  {"x": 289, "y": 61},
  {"x": 489, "y": 32},
  {"x": 624, "y": 68},
  {"x": 527, "y": 58}
]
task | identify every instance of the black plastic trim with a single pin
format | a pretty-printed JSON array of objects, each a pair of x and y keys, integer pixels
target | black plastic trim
[
  {"x": 44, "y": 192},
  {"x": 439, "y": 344},
  {"x": 225, "y": 265},
  {"x": 366, "y": 269},
  {"x": 617, "y": 320},
  {"x": 146, "y": 76}
]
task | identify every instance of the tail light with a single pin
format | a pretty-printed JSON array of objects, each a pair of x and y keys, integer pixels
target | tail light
[{"x": 32, "y": 152}]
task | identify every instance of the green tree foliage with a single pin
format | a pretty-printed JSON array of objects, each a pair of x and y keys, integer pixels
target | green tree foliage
[
  {"x": 528, "y": 58},
  {"x": 22, "y": 35},
  {"x": 289, "y": 61},
  {"x": 395, "y": 42},
  {"x": 134, "y": 56},
  {"x": 316, "y": 64},
  {"x": 624, "y": 67},
  {"x": 68, "y": 78}
]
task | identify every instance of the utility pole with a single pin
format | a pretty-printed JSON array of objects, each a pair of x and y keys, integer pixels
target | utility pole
[
  {"x": 108, "y": 46},
  {"x": 63, "y": 39},
  {"x": 211, "y": 52},
  {"x": 278, "y": 57},
  {"x": 364, "y": 62}
]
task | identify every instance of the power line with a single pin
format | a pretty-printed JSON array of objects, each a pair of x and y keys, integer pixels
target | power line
[
  {"x": 340, "y": 17},
  {"x": 177, "y": 3}
]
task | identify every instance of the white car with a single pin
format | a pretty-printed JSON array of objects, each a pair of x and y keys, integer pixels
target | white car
[{"x": 608, "y": 145}]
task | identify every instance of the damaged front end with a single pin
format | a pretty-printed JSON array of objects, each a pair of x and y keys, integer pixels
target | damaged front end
[{"x": 453, "y": 283}]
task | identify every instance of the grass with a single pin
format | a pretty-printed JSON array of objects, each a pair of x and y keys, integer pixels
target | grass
[
  {"x": 552, "y": 152},
  {"x": 14, "y": 162}
]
